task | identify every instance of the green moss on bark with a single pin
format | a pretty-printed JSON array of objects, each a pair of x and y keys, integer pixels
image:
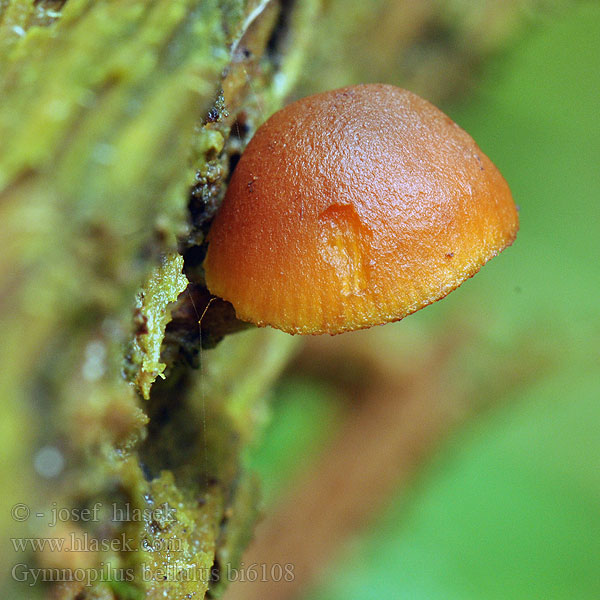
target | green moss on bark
[{"x": 112, "y": 111}]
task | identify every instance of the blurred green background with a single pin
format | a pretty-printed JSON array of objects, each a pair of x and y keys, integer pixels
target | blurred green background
[{"x": 504, "y": 502}]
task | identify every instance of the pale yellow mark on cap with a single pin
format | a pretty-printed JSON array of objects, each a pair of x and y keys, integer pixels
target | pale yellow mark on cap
[{"x": 341, "y": 246}]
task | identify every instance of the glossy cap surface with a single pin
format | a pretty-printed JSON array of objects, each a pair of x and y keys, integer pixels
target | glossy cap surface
[{"x": 353, "y": 208}]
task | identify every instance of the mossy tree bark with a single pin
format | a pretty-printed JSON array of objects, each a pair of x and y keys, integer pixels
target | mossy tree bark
[{"x": 119, "y": 121}]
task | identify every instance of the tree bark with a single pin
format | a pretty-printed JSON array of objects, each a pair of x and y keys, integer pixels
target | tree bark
[{"x": 119, "y": 121}]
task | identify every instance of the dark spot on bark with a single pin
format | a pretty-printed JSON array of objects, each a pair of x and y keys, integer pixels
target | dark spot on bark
[
  {"x": 215, "y": 572},
  {"x": 213, "y": 115},
  {"x": 146, "y": 471},
  {"x": 194, "y": 256},
  {"x": 140, "y": 321},
  {"x": 234, "y": 159},
  {"x": 240, "y": 127},
  {"x": 280, "y": 37}
]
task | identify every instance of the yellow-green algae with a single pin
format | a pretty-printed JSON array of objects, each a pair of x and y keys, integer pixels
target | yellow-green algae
[{"x": 163, "y": 286}]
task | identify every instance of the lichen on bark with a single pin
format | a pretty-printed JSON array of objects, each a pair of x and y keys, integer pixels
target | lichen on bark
[{"x": 152, "y": 313}]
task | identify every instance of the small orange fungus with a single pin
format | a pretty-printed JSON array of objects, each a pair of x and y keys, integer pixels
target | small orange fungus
[{"x": 353, "y": 208}]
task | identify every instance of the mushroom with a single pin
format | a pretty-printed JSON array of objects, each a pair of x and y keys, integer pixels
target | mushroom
[{"x": 353, "y": 208}]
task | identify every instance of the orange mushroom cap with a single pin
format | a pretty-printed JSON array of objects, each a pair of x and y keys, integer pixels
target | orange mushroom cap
[{"x": 353, "y": 208}]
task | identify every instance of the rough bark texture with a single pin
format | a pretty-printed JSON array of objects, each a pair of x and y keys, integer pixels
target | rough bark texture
[{"x": 112, "y": 111}]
